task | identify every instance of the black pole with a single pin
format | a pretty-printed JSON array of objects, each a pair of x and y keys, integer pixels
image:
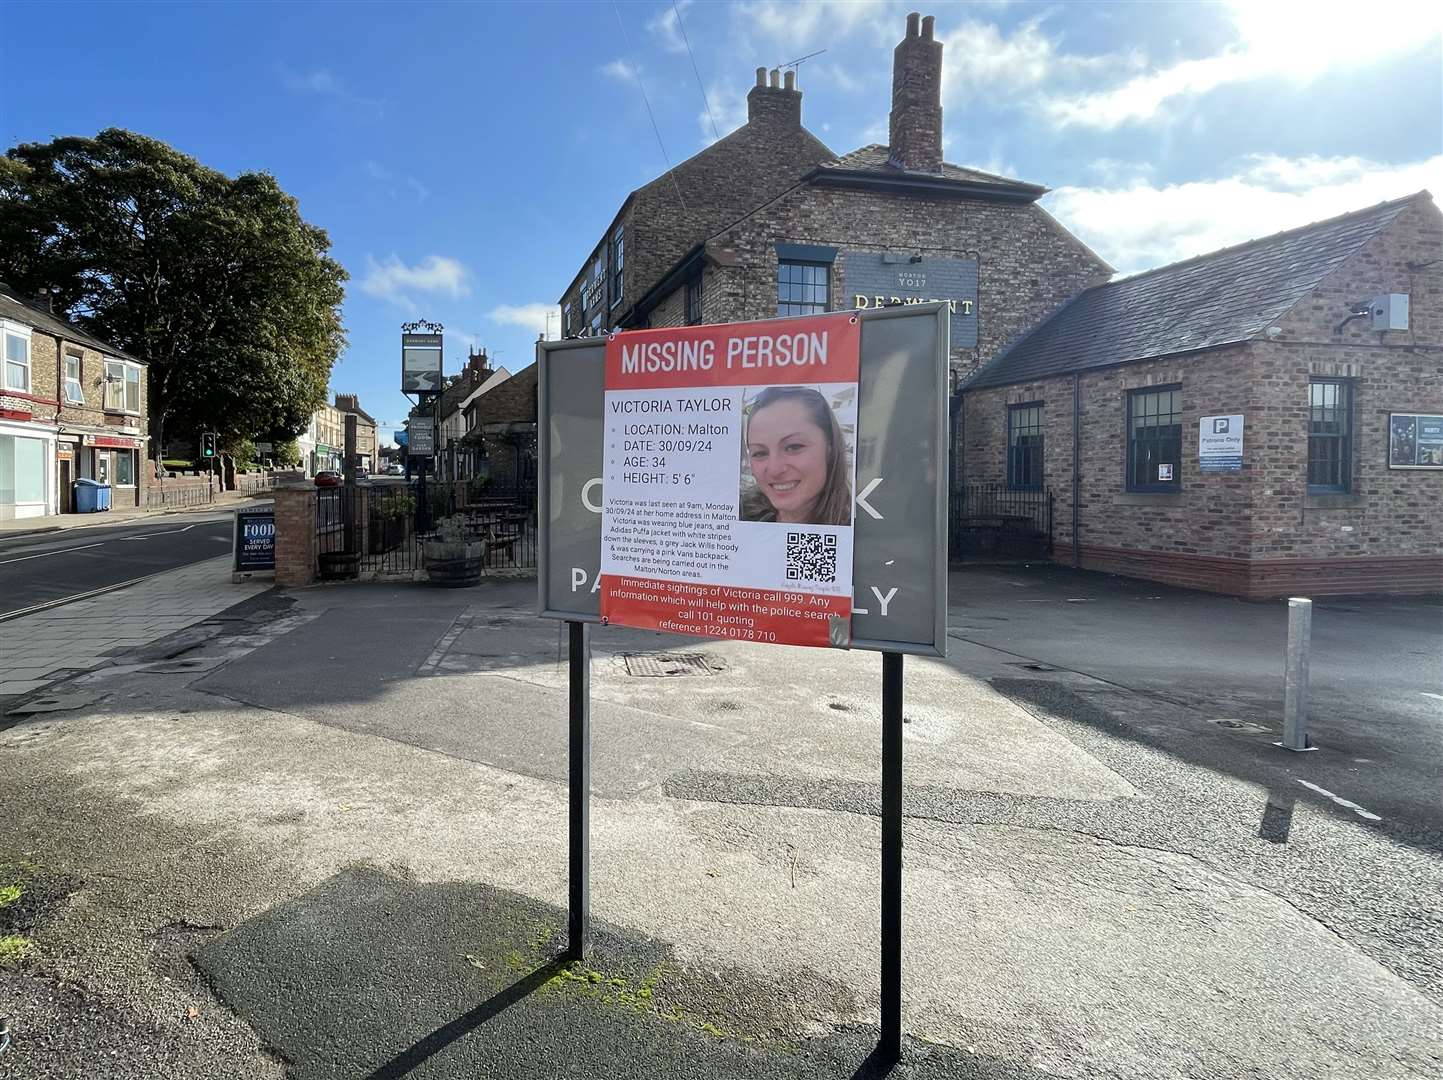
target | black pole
[
  {"x": 890, "y": 1044},
  {"x": 578, "y": 939}
]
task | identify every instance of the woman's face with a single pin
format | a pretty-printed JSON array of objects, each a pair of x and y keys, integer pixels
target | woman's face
[{"x": 788, "y": 455}]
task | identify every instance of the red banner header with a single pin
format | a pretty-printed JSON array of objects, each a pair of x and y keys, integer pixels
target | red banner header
[{"x": 810, "y": 349}]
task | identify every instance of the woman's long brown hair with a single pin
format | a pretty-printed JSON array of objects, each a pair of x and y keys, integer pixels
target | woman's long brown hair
[{"x": 833, "y": 504}]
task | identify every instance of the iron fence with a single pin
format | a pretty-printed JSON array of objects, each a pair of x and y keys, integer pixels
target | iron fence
[
  {"x": 380, "y": 529},
  {"x": 993, "y": 519},
  {"x": 158, "y": 495}
]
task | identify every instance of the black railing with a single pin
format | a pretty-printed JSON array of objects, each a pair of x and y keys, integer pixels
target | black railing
[
  {"x": 993, "y": 519},
  {"x": 381, "y": 528}
]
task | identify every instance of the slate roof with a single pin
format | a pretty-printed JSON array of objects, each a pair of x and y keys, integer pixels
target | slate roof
[
  {"x": 14, "y": 308},
  {"x": 1216, "y": 299},
  {"x": 873, "y": 158}
]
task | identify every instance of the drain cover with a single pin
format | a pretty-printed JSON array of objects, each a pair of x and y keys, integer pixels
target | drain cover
[
  {"x": 1031, "y": 665},
  {"x": 664, "y": 665}
]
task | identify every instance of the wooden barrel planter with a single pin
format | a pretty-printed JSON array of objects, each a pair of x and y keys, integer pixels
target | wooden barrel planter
[
  {"x": 453, "y": 564},
  {"x": 339, "y": 565}
]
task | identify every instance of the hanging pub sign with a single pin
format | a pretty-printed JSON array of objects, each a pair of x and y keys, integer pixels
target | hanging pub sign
[
  {"x": 728, "y": 477},
  {"x": 781, "y": 481},
  {"x": 421, "y": 439},
  {"x": 1415, "y": 441},
  {"x": 1220, "y": 443},
  {"x": 421, "y": 358}
]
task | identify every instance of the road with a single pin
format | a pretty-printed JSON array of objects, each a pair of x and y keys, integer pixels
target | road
[
  {"x": 1172, "y": 663},
  {"x": 43, "y": 569}
]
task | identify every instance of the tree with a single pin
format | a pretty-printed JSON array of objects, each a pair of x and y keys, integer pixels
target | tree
[{"x": 218, "y": 283}]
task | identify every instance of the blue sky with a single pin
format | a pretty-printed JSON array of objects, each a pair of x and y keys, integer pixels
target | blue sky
[{"x": 465, "y": 157}]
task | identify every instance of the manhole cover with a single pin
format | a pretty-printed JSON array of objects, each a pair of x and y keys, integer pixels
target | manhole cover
[{"x": 662, "y": 665}]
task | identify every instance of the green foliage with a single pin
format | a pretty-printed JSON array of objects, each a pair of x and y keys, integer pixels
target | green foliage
[
  {"x": 218, "y": 283},
  {"x": 13, "y": 949},
  {"x": 287, "y": 453}
]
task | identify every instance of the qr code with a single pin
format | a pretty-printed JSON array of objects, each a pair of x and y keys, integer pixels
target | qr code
[{"x": 811, "y": 556}]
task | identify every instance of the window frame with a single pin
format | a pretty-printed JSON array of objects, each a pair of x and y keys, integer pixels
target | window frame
[
  {"x": 826, "y": 287},
  {"x": 116, "y": 457},
  {"x": 122, "y": 383},
  {"x": 78, "y": 356},
  {"x": 1036, "y": 457},
  {"x": 617, "y": 248},
  {"x": 22, "y": 332},
  {"x": 692, "y": 301},
  {"x": 1344, "y": 440},
  {"x": 1156, "y": 487}
]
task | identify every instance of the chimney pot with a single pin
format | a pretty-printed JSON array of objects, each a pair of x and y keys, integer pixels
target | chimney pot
[
  {"x": 927, "y": 22},
  {"x": 775, "y": 78},
  {"x": 789, "y": 81},
  {"x": 761, "y": 76},
  {"x": 912, "y": 20}
]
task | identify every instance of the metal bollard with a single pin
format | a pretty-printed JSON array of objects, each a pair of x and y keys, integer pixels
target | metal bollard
[{"x": 1295, "y": 678}]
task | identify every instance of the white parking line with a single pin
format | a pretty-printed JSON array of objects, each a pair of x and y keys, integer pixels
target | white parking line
[{"x": 1341, "y": 801}]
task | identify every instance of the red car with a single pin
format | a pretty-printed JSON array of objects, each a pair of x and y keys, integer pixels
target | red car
[{"x": 329, "y": 478}]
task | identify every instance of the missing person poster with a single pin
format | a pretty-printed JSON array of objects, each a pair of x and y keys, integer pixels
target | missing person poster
[{"x": 729, "y": 466}]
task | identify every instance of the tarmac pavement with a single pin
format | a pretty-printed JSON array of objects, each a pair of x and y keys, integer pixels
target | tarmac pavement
[{"x": 349, "y": 814}]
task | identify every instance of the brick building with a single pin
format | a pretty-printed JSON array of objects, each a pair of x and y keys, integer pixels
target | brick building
[
  {"x": 768, "y": 221},
  {"x": 71, "y": 406},
  {"x": 502, "y": 423},
  {"x": 1112, "y": 405},
  {"x": 365, "y": 430}
]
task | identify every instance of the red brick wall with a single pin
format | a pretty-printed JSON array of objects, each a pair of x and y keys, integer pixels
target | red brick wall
[{"x": 295, "y": 535}]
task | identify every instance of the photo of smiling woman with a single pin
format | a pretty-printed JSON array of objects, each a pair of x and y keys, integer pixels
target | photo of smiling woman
[{"x": 795, "y": 459}]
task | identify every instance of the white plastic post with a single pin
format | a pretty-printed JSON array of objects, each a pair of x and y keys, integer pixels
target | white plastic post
[{"x": 1295, "y": 679}]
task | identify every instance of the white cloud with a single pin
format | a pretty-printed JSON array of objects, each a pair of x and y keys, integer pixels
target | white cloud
[
  {"x": 323, "y": 82},
  {"x": 727, "y": 105},
  {"x": 668, "y": 31},
  {"x": 533, "y": 317},
  {"x": 619, "y": 70},
  {"x": 1140, "y": 224},
  {"x": 422, "y": 192},
  {"x": 1296, "y": 39},
  {"x": 393, "y": 280}
]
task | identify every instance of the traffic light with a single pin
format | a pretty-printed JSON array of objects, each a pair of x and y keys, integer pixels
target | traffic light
[{"x": 207, "y": 445}]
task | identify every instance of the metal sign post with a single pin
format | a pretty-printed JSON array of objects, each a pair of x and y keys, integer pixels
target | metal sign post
[
  {"x": 899, "y": 564},
  {"x": 422, "y": 374},
  {"x": 578, "y": 924}
]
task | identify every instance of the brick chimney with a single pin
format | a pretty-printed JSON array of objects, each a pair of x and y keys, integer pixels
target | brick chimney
[
  {"x": 916, "y": 121},
  {"x": 478, "y": 366},
  {"x": 774, "y": 103}
]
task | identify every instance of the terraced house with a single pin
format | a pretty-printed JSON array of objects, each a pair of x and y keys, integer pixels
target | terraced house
[{"x": 71, "y": 407}]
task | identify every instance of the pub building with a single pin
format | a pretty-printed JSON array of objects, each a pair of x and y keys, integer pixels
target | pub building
[{"x": 1078, "y": 400}]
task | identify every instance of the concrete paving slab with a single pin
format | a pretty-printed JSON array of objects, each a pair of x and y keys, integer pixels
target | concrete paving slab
[
  {"x": 803, "y": 712},
  {"x": 1079, "y": 956}
]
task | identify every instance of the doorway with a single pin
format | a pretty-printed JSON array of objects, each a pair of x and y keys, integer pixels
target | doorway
[{"x": 67, "y": 487}]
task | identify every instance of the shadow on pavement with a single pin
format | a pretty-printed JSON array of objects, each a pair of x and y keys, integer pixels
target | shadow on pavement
[{"x": 350, "y": 980}]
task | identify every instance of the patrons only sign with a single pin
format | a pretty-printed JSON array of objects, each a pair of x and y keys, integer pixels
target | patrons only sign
[{"x": 728, "y": 477}]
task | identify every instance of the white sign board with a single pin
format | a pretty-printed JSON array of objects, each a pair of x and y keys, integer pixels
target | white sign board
[{"x": 1220, "y": 443}]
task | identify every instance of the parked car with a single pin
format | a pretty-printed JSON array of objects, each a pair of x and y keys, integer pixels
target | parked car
[
  {"x": 395, "y": 470},
  {"x": 329, "y": 478}
]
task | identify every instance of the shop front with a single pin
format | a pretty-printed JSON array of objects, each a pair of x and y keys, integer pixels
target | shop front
[
  {"x": 27, "y": 450},
  {"x": 113, "y": 460}
]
